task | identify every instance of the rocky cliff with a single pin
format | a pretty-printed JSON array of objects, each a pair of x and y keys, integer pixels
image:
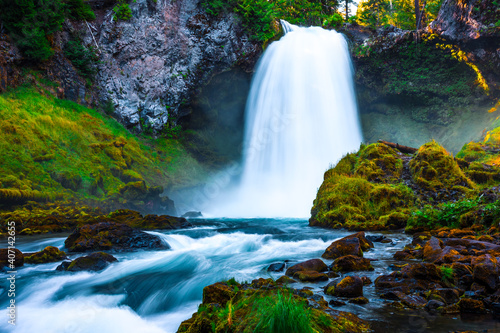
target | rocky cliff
[{"x": 153, "y": 63}]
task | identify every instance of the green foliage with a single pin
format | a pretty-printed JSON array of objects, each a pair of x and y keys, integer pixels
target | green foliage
[
  {"x": 122, "y": 11},
  {"x": 259, "y": 16},
  {"x": 446, "y": 273},
  {"x": 30, "y": 22},
  {"x": 80, "y": 10},
  {"x": 458, "y": 214},
  {"x": 81, "y": 57},
  {"x": 335, "y": 21},
  {"x": 282, "y": 314},
  {"x": 400, "y": 13}
]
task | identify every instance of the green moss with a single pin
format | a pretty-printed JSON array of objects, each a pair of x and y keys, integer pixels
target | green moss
[
  {"x": 378, "y": 162},
  {"x": 434, "y": 169},
  {"x": 49, "y": 254},
  {"x": 55, "y": 148},
  {"x": 355, "y": 203}
]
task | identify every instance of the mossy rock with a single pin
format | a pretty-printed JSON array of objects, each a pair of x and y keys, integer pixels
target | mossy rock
[
  {"x": 434, "y": 169},
  {"x": 379, "y": 162},
  {"x": 94, "y": 262},
  {"x": 355, "y": 203},
  {"x": 49, "y": 254}
]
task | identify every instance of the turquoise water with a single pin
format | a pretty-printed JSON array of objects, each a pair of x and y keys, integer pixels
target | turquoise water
[{"x": 154, "y": 291}]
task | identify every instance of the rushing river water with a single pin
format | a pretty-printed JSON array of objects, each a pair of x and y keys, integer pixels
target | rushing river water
[{"x": 154, "y": 291}]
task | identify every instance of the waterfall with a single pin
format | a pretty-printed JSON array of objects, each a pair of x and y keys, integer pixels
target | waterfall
[{"x": 301, "y": 117}]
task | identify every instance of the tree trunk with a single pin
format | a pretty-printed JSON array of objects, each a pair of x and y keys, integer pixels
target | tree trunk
[
  {"x": 346, "y": 9},
  {"x": 417, "y": 14}
]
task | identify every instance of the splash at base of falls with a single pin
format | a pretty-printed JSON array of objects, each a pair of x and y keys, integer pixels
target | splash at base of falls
[{"x": 301, "y": 117}]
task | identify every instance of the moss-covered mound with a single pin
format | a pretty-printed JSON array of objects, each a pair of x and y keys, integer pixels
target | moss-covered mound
[
  {"x": 434, "y": 169},
  {"x": 54, "y": 149},
  {"x": 264, "y": 306},
  {"x": 362, "y": 192},
  {"x": 481, "y": 160},
  {"x": 381, "y": 188}
]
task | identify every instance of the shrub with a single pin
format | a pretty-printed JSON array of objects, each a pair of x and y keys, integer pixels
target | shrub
[
  {"x": 335, "y": 21},
  {"x": 122, "y": 11},
  {"x": 81, "y": 57},
  {"x": 29, "y": 22},
  {"x": 79, "y": 10}
]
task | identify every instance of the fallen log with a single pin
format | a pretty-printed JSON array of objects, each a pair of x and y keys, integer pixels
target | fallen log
[{"x": 403, "y": 149}]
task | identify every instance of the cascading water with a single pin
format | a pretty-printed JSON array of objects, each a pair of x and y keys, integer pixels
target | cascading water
[{"x": 301, "y": 116}]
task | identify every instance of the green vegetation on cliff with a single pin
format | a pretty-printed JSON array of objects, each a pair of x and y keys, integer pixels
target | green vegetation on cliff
[
  {"x": 381, "y": 188},
  {"x": 53, "y": 149},
  {"x": 260, "y": 17}
]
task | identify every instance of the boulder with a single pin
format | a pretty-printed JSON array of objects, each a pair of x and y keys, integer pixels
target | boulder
[
  {"x": 218, "y": 293},
  {"x": 485, "y": 271},
  {"x": 276, "y": 267},
  {"x": 310, "y": 276},
  {"x": 363, "y": 241},
  {"x": 412, "y": 301},
  {"x": 422, "y": 271},
  {"x": 433, "y": 249},
  {"x": 285, "y": 280},
  {"x": 111, "y": 236},
  {"x": 350, "y": 286},
  {"x": 468, "y": 305},
  {"x": 448, "y": 295},
  {"x": 49, "y": 254},
  {"x": 316, "y": 265},
  {"x": 96, "y": 261},
  {"x": 351, "y": 263},
  {"x": 4, "y": 259},
  {"x": 343, "y": 247},
  {"x": 359, "y": 300}
]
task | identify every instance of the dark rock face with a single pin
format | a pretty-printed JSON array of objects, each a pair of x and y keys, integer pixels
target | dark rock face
[
  {"x": 9, "y": 59},
  {"x": 455, "y": 22},
  {"x": 316, "y": 265},
  {"x": 96, "y": 261},
  {"x": 111, "y": 236},
  {"x": 154, "y": 62},
  {"x": 4, "y": 258}
]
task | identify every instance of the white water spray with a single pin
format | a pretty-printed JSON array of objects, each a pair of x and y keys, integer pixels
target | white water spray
[{"x": 301, "y": 116}]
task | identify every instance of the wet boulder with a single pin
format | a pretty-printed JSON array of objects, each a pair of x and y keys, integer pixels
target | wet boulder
[
  {"x": 351, "y": 263},
  {"x": 468, "y": 305},
  {"x": 310, "y": 276},
  {"x": 359, "y": 300},
  {"x": 412, "y": 301},
  {"x": 433, "y": 249},
  {"x": 219, "y": 293},
  {"x": 285, "y": 280},
  {"x": 343, "y": 247},
  {"x": 350, "y": 286},
  {"x": 316, "y": 265},
  {"x": 11, "y": 259},
  {"x": 49, "y": 254},
  {"x": 448, "y": 295},
  {"x": 353, "y": 244},
  {"x": 485, "y": 271},
  {"x": 94, "y": 262},
  {"x": 422, "y": 271},
  {"x": 111, "y": 236},
  {"x": 276, "y": 267}
]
